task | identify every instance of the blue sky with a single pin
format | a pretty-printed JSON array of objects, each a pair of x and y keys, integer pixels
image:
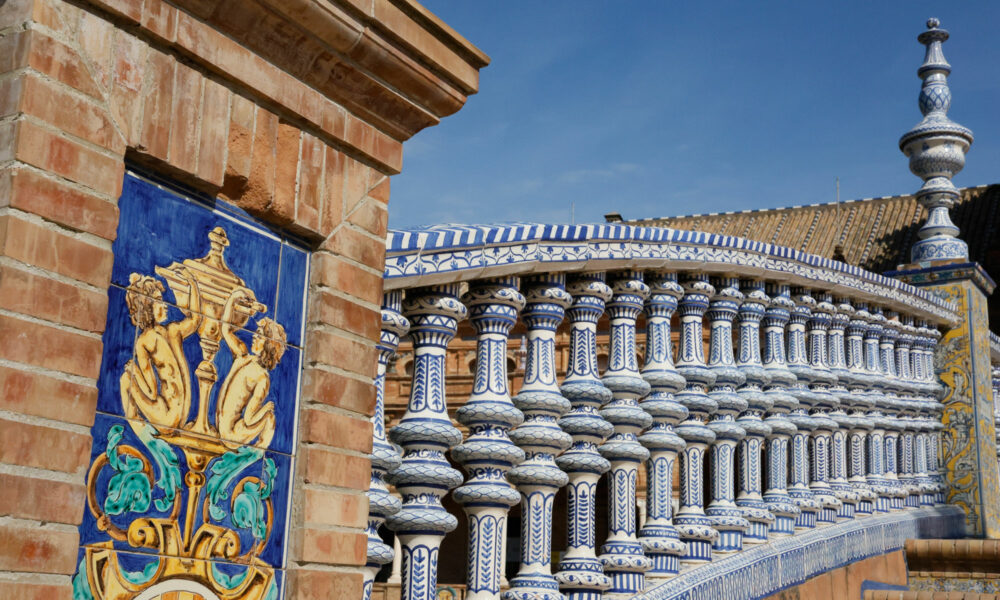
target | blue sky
[{"x": 667, "y": 108}]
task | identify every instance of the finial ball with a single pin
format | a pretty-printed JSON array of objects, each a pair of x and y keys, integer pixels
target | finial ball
[{"x": 933, "y": 23}]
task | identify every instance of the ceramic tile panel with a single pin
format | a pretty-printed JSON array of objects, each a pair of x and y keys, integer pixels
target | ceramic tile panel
[{"x": 191, "y": 466}]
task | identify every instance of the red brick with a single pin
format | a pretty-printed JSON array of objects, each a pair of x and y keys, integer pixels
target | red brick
[
  {"x": 43, "y": 447},
  {"x": 62, "y": 156},
  {"x": 96, "y": 37},
  {"x": 344, "y": 314},
  {"x": 49, "y": 249},
  {"x": 333, "y": 191},
  {"x": 329, "y": 507},
  {"x": 331, "y": 467},
  {"x": 62, "y": 204},
  {"x": 184, "y": 142},
  {"x": 282, "y": 208},
  {"x": 48, "y": 347},
  {"x": 25, "y": 590},
  {"x": 15, "y": 12},
  {"x": 357, "y": 246},
  {"x": 11, "y": 93},
  {"x": 71, "y": 114},
  {"x": 333, "y": 429},
  {"x": 14, "y": 50},
  {"x": 336, "y": 350},
  {"x": 372, "y": 216},
  {"x": 38, "y": 296},
  {"x": 214, "y": 131},
  {"x": 241, "y": 132},
  {"x": 335, "y": 272},
  {"x": 310, "y": 198},
  {"x": 356, "y": 184},
  {"x": 381, "y": 191},
  {"x": 129, "y": 9},
  {"x": 62, "y": 63},
  {"x": 160, "y": 19},
  {"x": 306, "y": 584},
  {"x": 338, "y": 390},
  {"x": 260, "y": 185},
  {"x": 37, "y": 549},
  {"x": 129, "y": 68},
  {"x": 26, "y": 497},
  {"x": 331, "y": 547},
  {"x": 43, "y": 396},
  {"x": 154, "y": 137}
]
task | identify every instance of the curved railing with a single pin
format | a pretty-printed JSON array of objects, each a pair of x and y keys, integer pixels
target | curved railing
[{"x": 815, "y": 411}]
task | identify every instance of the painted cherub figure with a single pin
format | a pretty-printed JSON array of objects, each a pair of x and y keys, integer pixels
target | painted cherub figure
[
  {"x": 156, "y": 382},
  {"x": 242, "y": 415}
]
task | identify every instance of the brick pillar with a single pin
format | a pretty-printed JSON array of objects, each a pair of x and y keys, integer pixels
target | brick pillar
[{"x": 968, "y": 448}]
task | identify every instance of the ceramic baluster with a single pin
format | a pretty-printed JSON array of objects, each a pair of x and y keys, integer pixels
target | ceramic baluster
[
  {"x": 581, "y": 575},
  {"x": 876, "y": 440},
  {"x": 425, "y": 432},
  {"x": 837, "y": 361},
  {"x": 908, "y": 415},
  {"x": 825, "y": 401},
  {"x": 538, "y": 478},
  {"x": 934, "y": 442},
  {"x": 780, "y": 379},
  {"x": 658, "y": 535},
  {"x": 384, "y": 457},
  {"x": 861, "y": 403},
  {"x": 929, "y": 389},
  {"x": 693, "y": 527},
  {"x": 750, "y": 455},
  {"x": 488, "y": 454},
  {"x": 893, "y": 406},
  {"x": 622, "y": 554},
  {"x": 798, "y": 364}
]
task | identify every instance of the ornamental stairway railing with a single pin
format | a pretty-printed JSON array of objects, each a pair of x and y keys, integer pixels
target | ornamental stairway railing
[{"x": 812, "y": 420}]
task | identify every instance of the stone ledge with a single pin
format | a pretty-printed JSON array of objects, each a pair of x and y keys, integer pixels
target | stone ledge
[{"x": 761, "y": 571}]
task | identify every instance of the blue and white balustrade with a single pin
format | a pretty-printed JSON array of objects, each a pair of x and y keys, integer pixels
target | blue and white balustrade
[
  {"x": 824, "y": 400},
  {"x": 892, "y": 407},
  {"x": 877, "y": 480},
  {"x": 581, "y": 576},
  {"x": 622, "y": 554},
  {"x": 837, "y": 360},
  {"x": 750, "y": 455},
  {"x": 488, "y": 454},
  {"x": 693, "y": 526},
  {"x": 425, "y": 432},
  {"x": 658, "y": 536},
  {"x": 776, "y": 497},
  {"x": 726, "y": 517},
  {"x": 860, "y": 404},
  {"x": 538, "y": 478},
  {"x": 384, "y": 457},
  {"x": 798, "y": 364}
]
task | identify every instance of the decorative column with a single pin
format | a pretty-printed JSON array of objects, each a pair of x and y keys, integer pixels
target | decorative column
[
  {"x": 936, "y": 147},
  {"x": 581, "y": 575},
  {"x": 780, "y": 379},
  {"x": 384, "y": 457},
  {"x": 837, "y": 361},
  {"x": 876, "y": 440},
  {"x": 658, "y": 536},
  {"x": 892, "y": 407},
  {"x": 622, "y": 554},
  {"x": 749, "y": 499},
  {"x": 693, "y": 527},
  {"x": 425, "y": 432},
  {"x": 910, "y": 409},
  {"x": 726, "y": 517},
  {"x": 824, "y": 402},
  {"x": 538, "y": 478},
  {"x": 487, "y": 454},
  {"x": 927, "y": 405},
  {"x": 798, "y": 364},
  {"x": 933, "y": 390},
  {"x": 861, "y": 403}
]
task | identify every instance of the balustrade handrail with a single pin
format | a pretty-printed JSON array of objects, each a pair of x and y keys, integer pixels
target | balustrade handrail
[{"x": 422, "y": 256}]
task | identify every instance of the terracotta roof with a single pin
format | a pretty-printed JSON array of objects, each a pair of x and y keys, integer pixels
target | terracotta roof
[{"x": 876, "y": 233}]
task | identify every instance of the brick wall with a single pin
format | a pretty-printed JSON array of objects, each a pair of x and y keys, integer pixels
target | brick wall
[{"x": 204, "y": 92}]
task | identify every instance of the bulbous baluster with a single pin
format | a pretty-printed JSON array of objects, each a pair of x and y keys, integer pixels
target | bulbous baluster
[
  {"x": 726, "y": 517},
  {"x": 923, "y": 367},
  {"x": 425, "y": 432},
  {"x": 538, "y": 478},
  {"x": 487, "y": 454},
  {"x": 658, "y": 536},
  {"x": 581, "y": 575},
  {"x": 825, "y": 401},
  {"x": 837, "y": 362},
  {"x": 934, "y": 442},
  {"x": 861, "y": 402},
  {"x": 798, "y": 364},
  {"x": 892, "y": 407},
  {"x": 908, "y": 414},
  {"x": 622, "y": 554},
  {"x": 384, "y": 457},
  {"x": 749, "y": 499},
  {"x": 692, "y": 525},
  {"x": 780, "y": 379},
  {"x": 876, "y": 440}
]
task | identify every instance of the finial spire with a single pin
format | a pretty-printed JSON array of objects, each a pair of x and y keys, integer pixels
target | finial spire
[{"x": 936, "y": 148}]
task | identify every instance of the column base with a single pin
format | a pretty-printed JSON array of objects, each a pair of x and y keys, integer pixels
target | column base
[{"x": 534, "y": 586}]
